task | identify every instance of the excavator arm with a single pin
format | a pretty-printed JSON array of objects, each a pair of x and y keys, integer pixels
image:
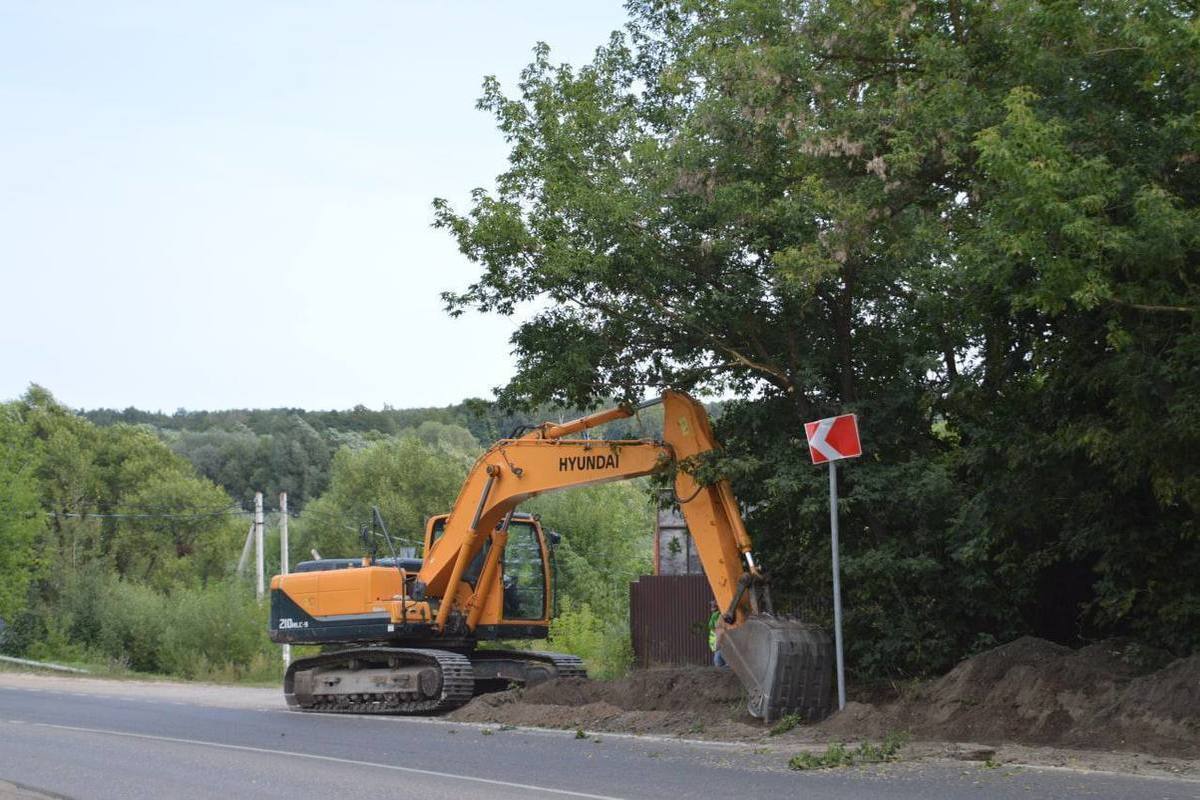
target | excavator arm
[{"x": 784, "y": 664}]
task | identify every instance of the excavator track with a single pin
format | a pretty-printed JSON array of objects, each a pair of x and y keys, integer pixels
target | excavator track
[
  {"x": 498, "y": 669},
  {"x": 305, "y": 682},
  {"x": 565, "y": 664}
]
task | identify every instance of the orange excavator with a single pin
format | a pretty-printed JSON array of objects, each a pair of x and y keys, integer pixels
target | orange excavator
[{"x": 400, "y": 635}]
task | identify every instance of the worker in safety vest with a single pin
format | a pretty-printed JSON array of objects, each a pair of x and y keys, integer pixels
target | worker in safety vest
[{"x": 716, "y": 631}]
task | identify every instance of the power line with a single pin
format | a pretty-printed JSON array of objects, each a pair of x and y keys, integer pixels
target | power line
[{"x": 194, "y": 515}]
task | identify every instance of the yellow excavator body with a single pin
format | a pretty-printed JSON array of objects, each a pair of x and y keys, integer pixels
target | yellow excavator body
[{"x": 406, "y": 630}]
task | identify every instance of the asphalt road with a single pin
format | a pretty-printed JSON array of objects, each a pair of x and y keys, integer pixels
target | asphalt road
[{"x": 84, "y": 745}]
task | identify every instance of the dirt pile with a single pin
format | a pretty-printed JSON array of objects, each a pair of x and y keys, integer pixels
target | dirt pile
[
  {"x": 1108, "y": 696},
  {"x": 681, "y": 701}
]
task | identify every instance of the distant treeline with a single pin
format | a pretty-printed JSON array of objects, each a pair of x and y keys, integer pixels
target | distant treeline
[
  {"x": 120, "y": 537},
  {"x": 291, "y": 450}
]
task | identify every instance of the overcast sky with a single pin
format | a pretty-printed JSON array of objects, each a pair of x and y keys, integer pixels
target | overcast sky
[{"x": 227, "y": 204}]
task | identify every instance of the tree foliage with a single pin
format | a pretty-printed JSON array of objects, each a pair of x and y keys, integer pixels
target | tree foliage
[
  {"x": 274, "y": 450},
  {"x": 975, "y": 224},
  {"x": 606, "y": 543},
  {"x": 84, "y": 509},
  {"x": 21, "y": 520},
  {"x": 407, "y": 479}
]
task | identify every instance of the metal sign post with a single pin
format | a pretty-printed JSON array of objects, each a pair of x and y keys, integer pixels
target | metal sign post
[
  {"x": 830, "y": 440},
  {"x": 837, "y": 586}
]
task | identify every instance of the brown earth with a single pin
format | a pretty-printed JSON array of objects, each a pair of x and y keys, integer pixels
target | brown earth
[
  {"x": 677, "y": 701},
  {"x": 1110, "y": 696}
]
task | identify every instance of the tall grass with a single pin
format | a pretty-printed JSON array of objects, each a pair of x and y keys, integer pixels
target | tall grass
[{"x": 214, "y": 633}]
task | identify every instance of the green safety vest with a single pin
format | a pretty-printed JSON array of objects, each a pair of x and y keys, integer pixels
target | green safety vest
[{"x": 712, "y": 630}]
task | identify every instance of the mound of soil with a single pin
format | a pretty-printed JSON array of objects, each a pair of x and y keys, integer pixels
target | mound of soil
[
  {"x": 1104, "y": 697},
  {"x": 1108, "y": 696},
  {"x": 688, "y": 700}
]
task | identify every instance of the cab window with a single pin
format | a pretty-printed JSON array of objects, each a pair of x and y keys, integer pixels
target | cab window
[
  {"x": 524, "y": 574},
  {"x": 471, "y": 573}
]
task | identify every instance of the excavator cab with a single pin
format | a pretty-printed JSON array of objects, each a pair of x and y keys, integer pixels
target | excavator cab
[{"x": 518, "y": 605}]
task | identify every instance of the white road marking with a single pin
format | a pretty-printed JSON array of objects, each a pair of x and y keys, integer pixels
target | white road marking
[{"x": 315, "y": 757}]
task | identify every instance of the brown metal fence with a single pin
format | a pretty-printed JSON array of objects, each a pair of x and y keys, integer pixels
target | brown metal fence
[{"x": 668, "y": 618}]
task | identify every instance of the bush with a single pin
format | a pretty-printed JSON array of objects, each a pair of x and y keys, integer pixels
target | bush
[
  {"x": 604, "y": 647},
  {"x": 133, "y": 621},
  {"x": 216, "y": 632}
]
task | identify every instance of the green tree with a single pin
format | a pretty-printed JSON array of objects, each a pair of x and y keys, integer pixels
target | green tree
[
  {"x": 607, "y": 541},
  {"x": 408, "y": 480},
  {"x": 118, "y": 496},
  {"x": 973, "y": 223},
  {"x": 21, "y": 517}
]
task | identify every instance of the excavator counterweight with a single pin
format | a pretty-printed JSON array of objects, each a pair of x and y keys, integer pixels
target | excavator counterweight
[{"x": 408, "y": 628}]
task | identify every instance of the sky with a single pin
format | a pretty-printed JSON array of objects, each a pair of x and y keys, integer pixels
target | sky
[{"x": 223, "y": 204}]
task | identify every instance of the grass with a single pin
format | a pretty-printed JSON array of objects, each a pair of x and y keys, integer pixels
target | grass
[
  {"x": 265, "y": 670},
  {"x": 107, "y": 669},
  {"x": 838, "y": 755}
]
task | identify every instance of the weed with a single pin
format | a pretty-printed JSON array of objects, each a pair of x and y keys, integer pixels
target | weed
[
  {"x": 805, "y": 761},
  {"x": 579, "y": 734},
  {"x": 786, "y": 724},
  {"x": 507, "y": 727},
  {"x": 892, "y": 744},
  {"x": 487, "y": 732},
  {"x": 837, "y": 755}
]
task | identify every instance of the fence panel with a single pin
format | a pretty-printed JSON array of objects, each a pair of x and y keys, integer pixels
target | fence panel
[{"x": 668, "y": 618}]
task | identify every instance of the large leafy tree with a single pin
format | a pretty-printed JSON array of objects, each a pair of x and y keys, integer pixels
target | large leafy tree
[
  {"x": 408, "y": 480},
  {"x": 117, "y": 498},
  {"x": 21, "y": 517},
  {"x": 974, "y": 223}
]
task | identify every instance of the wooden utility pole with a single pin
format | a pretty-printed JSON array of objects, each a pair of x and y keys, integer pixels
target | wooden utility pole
[
  {"x": 258, "y": 544},
  {"x": 283, "y": 534},
  {"x": 283, "y": 559}
]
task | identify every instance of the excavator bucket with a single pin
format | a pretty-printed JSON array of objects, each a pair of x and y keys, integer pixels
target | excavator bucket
[{"x": 785, "y": 665}]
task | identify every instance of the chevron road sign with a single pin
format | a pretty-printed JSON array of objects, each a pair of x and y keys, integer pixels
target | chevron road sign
[
  {"x": 829, "y": 441},
  {"x": 833, "y": 438}
]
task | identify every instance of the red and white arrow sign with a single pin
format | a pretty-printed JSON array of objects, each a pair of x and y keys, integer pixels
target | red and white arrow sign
[{"x": 833, "y": 438}]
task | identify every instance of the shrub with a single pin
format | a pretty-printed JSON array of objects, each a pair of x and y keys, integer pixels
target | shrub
[
  {"x": 132, "y": 622},
  {"x": 604, "y": 647},
  {"x": 216, "y": 632}
]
